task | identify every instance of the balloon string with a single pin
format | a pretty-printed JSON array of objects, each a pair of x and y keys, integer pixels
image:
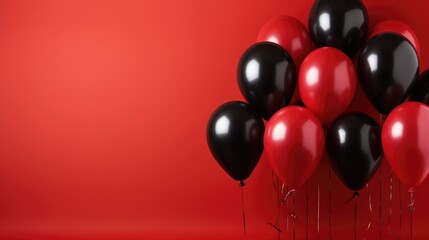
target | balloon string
[
  {"x": 400, "y": 208},
  {"x": 275, "y": 180},
  {"x": 307, "y": 211},
  {"x": 318, "y": 206},
  {"x": 411, "y": 208},
  {"x": 370, "y": 210},
  {"x": 356, "y": 214},
  {"x": 278, "y": 209},
  {"x": 382, "y": 117},
  {"x": 241, "y": 185},
  {"x": 411, "y": 225},
  {"x": 354, "y": 197},
  {"x": 329, "y": 203},
  {"x": 276, "y": 225},
  {"x": 380, "y": 198},
  {"x": 390, "y": 205},
  {"x": 294, "y": 215}
]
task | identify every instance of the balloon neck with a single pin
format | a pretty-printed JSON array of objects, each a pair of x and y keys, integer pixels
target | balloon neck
[{"x": 241, "y": 184}]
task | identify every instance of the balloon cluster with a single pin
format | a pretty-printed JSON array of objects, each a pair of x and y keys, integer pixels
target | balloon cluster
[{"x": 322, "y": 67}]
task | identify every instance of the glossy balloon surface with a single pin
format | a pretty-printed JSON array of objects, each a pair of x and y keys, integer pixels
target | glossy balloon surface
[
  {"x": 235, "y": 138},
  {"x": 405, "y": 138},
  {"x": 353, "y": 143},
  {"x": 327, "y": 82},
  {"x": 289, "y": 33},
  {"x": 267, "y": 77},
  {"x": 420, "y": 92},
  {"x": 339, "y": 23},
  {"x": 395, "y": 26},
  {"x": 294, "y": 144},
  {"x": 388, "y": 67}
]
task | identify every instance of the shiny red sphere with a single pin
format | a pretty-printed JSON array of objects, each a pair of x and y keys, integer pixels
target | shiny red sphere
[
  {"x": 294, "y": 144},
  {"x": 405, "y": 138},
  {"x": 327, "y": 82},
  {"x": 289, "y": 33}
]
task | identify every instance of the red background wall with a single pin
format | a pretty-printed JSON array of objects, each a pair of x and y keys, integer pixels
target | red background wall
[{"x": 103, "y": 109}]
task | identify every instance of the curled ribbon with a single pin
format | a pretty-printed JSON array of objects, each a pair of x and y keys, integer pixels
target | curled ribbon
[
  {"x": 287, "y": 195},
  {"x": 292, "y": 191},
  {"x": 411, "y": 206},
  {"x": 291, "y": 214}
]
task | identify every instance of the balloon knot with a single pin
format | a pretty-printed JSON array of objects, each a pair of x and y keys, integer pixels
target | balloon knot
[
  {"x": 355, "y": 194},
  {"x": 241, "y": 184}
]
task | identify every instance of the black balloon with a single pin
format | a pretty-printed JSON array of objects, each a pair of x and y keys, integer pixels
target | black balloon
[
  {"x": 420, "y": 92},
  {"x": 235, "y": 137},
  {"x": 342, "y": 24},
  {"x": 353, "y": 143},
  {"x": 388, "y": 67},
  {"x": 267, "y": 77}
]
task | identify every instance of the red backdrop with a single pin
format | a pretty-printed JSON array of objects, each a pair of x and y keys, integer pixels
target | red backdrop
[{"x": 103, "y": 109}]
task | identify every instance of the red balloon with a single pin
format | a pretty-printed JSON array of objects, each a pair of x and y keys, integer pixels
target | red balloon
[
  {"x": 327, "y": 83},
  {"x": 405, "y": 138},
  {"x": 294, "y": 143},
  {"x": 289, "y": 33},
  {"x": 399, "y": 28}
]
